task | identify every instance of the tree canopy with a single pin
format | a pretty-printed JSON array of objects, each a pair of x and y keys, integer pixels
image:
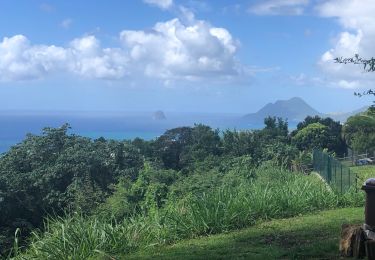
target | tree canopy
[
  {"x": 359, "y": 131},
  {"x": 57, "y": 172}
]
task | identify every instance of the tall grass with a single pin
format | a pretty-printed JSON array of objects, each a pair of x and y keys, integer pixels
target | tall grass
[
  {"x": 79, "y": 237},
  {"x": 275, "y": 193}
]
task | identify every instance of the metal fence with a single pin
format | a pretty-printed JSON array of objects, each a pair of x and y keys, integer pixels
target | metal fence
[{"x": 338, "y": 175}]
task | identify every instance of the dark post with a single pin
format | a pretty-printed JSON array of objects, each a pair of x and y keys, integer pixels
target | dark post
[
  {"x": 341, "y": 178},
  {"x": 335, "y": 174},
  {"x": 349, "y": 178},
  {"x": 356, "y": 183},
  {"x": 352, "y": 158},
  {"x": 329, "y": 170}
]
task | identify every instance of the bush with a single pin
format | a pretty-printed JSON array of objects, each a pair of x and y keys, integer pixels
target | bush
[{"x": 274, "y": 193}]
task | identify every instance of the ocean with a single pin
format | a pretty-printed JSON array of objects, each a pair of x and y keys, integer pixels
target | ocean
[{"x": 111, "y": 125}]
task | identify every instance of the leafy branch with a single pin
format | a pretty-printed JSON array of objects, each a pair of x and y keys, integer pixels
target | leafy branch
[{"x": 368, "y": 66}]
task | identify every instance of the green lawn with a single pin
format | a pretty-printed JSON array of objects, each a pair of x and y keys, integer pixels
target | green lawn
[
  {"x": 305, "y": 237},
  {"x": 364, "y": 172}
]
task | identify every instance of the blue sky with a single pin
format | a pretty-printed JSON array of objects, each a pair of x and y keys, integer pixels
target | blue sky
[{"x": 191, "y": 56}]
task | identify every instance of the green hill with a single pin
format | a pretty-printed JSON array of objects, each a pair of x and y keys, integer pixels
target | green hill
[{"x": 294, "y": 109}]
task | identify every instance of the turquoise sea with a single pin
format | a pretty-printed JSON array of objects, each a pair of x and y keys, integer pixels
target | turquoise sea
[{"x": 111, "y": 125}]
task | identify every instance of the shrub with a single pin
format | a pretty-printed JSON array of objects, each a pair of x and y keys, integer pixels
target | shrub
[{"x": 274, "y": 193}]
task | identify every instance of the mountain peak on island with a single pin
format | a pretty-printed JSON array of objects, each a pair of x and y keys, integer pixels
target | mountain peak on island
[
  {"x": 297, "y": 101},
  {"x": 159, "y": 115},
  {"x": 294, "y": 109}
]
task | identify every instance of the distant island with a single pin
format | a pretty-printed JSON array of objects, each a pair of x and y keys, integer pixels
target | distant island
[
  {"x": 295, "y": 110},
  {"x": 159, "y": 115}
]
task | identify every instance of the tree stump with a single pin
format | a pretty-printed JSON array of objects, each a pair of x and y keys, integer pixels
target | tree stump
[
  {"x": 352, "y": 243},
  {"x": 359, "y": 250}
]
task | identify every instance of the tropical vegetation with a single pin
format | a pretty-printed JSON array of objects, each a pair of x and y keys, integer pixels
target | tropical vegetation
[{"x": 64, "y": 196}]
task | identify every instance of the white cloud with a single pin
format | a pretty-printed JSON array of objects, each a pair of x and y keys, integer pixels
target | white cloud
[
  {"x": 173, "y": 50},
  {"x": 163, "y": 4},
  {"x": 306, "y": 80},
  {"x": 279, "y": 7},
  {"x": 66, "y": 23},
  {"x": 348, "y": 84},
  {"x": 89, "y": 59},
  {"x": 300, "y": 79},
  {"x": 357, "y": 20},
  {"x": 20, "y": 60},
  {"x": 170, "y": 52}
]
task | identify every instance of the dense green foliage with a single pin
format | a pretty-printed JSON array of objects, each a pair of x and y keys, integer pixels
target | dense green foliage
[
  {"x": 226, "y": 207},
  {"x": 190, "y": 181},
  {"x": 49, "y": 174},
  {"x": 359, "y": 131},
  {"x": 313, "y": 135},
  {"x": 320, "y": 133}
]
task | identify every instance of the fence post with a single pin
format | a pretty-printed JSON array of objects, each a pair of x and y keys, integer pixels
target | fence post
[
  {"x": 341, "y": 178},
  {"x": 335, "y": 172},
  {"x": 349, "y": 176},
  {"x": 352, "y": 158},
  {"x": 329, "y": 169}
]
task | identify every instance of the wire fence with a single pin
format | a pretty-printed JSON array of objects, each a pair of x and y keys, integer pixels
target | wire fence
[{"x": 338, "y": 175}]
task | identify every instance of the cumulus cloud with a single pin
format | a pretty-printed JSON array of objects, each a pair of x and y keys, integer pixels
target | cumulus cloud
[
  {"x": 20, "y": 60},
  {"x": 279, "y": 7},
  {"x": 171, "y": 51},
  {"x": 357, "y": 20},
  {"x": 89, "y": 59},
  {"x": 306, "y": 80},
  {"x": 163, "y": 4}
]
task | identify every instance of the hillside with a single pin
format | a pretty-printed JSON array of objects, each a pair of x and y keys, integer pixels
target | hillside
[
  {"x": 342, "y": 117},
  {"x": 203, "y": 183},
  {"x": 294, "y": 109},
  {"x": 314, "y": 236}
]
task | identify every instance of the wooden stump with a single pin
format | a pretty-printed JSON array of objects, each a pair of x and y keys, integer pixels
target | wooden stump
[
  {"x": 352, "y": 241},
  {"x": 359, "y": 250}
]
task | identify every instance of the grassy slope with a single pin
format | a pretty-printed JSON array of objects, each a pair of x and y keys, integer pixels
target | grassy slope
[
  {"x": 310, "y": 236},
  {"x": 364, "y": 172}
]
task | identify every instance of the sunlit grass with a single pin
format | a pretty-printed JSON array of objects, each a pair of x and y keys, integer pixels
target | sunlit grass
[
  {"x": 314, "y": 236},
  {"x": 363, "y": 173}
]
